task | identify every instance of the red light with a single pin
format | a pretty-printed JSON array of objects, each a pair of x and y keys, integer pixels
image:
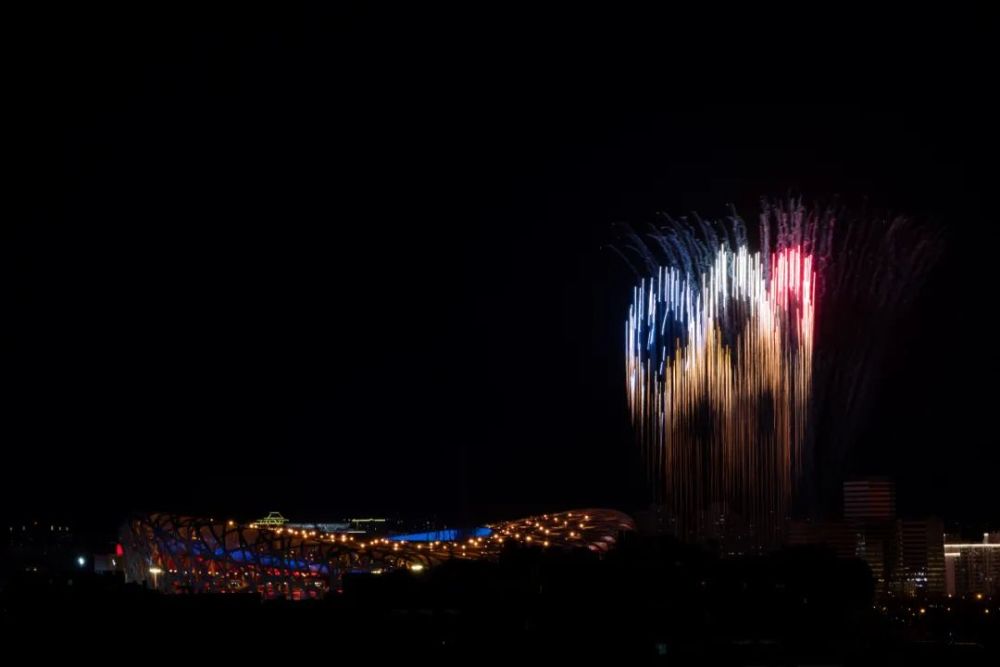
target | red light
[{"x": 119, "y": 551}]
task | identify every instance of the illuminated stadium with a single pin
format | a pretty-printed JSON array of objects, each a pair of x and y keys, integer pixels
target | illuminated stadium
[{"x": 178, "y": 554}]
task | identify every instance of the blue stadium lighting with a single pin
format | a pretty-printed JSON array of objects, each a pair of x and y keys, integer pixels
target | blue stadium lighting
[{"x": 449, "y": 535}]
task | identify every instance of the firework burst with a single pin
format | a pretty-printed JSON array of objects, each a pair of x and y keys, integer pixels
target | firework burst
[{"x": 725, "y": 356}]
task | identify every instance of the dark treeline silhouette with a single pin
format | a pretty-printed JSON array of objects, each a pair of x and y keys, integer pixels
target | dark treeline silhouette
[{"x": 650, "y": 600}]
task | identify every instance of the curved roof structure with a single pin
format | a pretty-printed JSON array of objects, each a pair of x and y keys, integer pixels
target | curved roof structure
[{"x": 188, "y": 554}]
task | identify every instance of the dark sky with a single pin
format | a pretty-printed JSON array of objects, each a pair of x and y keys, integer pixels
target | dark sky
[{"x": 323, "y": 263}]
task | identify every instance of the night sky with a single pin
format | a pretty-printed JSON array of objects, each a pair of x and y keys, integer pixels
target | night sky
[{"x": 321, "y": 265}]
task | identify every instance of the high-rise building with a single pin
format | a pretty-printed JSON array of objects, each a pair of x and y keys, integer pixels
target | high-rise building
[
  {"x": 973, "y": 567},
  {"x": 870, "y": 512},
  {"x": 921, "y": 550},
  {"x": 875, "y": 548},
  {"x": 835, "y": 535},
  {"x": 869, "y": 501},
  {"x": 906, "y": 557}
]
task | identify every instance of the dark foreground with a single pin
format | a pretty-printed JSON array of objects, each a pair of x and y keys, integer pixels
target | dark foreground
[{"x": 652, "y": 601}]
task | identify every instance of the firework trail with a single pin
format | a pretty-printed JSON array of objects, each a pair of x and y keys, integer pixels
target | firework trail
[{"x": 729, "y": 352}]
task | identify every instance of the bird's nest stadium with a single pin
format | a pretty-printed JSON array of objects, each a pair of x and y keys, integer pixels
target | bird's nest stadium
[{"x": 181, "y": 554}]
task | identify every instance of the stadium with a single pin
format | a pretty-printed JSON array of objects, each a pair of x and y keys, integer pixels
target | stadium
[{"x": 272, "y": 558}]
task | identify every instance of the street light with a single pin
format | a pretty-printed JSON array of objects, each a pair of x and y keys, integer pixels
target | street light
[{"x": 155, "y": 571}]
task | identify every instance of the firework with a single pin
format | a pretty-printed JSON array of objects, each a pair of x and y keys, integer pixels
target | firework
[{"x": 727, "y": 351}]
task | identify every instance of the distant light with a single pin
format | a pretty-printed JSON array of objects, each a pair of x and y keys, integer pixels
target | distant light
[
  {"x": 81, "y": 561},
  {"x": 417, "y": 567},
  {"x": 155, "y": 570},
  {"x": 970, "y": 545},
  {"x": 923, "y": 611}
]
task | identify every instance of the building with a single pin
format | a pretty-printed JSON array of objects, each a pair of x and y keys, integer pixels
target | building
[
  {"x": 869, "y": 501},
  {"x": 109, "y": 563},
  {"x": 177, "y": 554},
  {"x": 921, "y": 563},
  {"x": 870, "y": 511},
  {"x": 906, "y": 557},
  {"x": 876, "y": 546},
  {"x": 37, "y": 545},
  {"x": 836, "y": 535},
  {"x": 973, "y": 567}
]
